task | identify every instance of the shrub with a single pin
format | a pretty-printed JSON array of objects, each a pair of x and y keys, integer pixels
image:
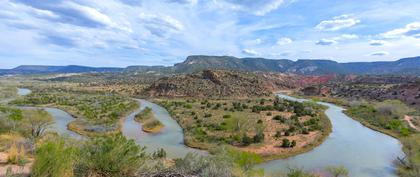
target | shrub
[
  {"x": 227, "y": 116},
  {"x": 110, "y": 156},
  {"x": 160, "y": 153},
  {"x": 258, "y": 138},
  {"x": 246, "y": 140},
  {"x": 54, "y": 159},
  {"x": 285, "y": 143},
  {"x": 293, "y": 144}
]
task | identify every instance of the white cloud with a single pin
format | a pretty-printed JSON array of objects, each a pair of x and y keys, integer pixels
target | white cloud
[
  {"x": 90, "y": 13},
  {"x": 326, "y": 42},
  {"x": 337, "y": 23},
  {"x": 379, "y": 53},
  {"x": 377, "y": 42},
  {"x": 250, "y": 52},
  {"x": 348, "y": 36},
  {"x": 189, "y": 2},
  {"x": 284, "y": 41},
  {"x": 256, "y": 7},
  {"x": 160, "y": 25},
  {"x": 411, "y": 29}
]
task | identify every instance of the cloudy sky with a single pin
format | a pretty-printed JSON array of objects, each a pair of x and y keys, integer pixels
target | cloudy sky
[{"x": 164, "y": 32}]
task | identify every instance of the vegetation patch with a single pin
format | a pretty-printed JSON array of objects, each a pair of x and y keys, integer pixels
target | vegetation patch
[
  {"x": 254, "y": 125},
  {"x": 96, "y": 111},
  {"x": 149, "y": 122}
]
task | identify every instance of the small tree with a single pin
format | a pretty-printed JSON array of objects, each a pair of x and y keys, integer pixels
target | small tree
[
  {"x": 37, "y": 122},
  {"x": 285, "y": 143},
  {"x": 15, "y": 116}
]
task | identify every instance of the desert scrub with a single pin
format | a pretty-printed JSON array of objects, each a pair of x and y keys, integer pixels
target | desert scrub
[
  {"x": 384, "y": 116},
  {"x": 251, "y": 124},
  {"x": 96, "y": 107},
  {"x": 149, "y": 122}
]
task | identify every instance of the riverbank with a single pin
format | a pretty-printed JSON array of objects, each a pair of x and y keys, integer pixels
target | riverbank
[{"x": 410, "y": 140}]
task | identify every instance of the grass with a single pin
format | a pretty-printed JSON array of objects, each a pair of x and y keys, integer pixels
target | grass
[{"x": 149, "y": 122}]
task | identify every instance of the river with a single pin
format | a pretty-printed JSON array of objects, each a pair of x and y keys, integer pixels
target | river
[{"x": 364, "y": 152}]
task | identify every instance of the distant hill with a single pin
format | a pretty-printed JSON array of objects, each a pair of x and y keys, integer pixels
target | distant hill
[
  {"x": 302, "y": 66},
  {"x": 39, "y": 69},
  {"x": 406, "y": 66}
]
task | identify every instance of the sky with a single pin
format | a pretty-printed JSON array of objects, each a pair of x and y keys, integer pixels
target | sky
[{"x": 163, "y": 32}]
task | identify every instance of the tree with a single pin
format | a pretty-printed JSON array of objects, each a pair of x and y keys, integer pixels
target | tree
[
  {"x": 15, "y": 116},
  {"x": 37, "y": 121}
]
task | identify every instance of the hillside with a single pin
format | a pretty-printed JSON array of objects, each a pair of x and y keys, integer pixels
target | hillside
[
  {"x": 379, "y": 88},
  {"x": 302, "y": 66},
  {"x": 223, "y": 83}
]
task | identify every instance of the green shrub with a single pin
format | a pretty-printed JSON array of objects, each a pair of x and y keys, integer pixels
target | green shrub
[
  {"x": 110, "y": 156},
  {"x": 54, "y": 159}
]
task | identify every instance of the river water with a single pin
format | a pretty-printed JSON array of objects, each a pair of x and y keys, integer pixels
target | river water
[{"x": 364, "y": 152}]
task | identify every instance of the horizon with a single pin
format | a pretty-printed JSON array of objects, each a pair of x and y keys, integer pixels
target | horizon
[
  {"x": 210, "y": 55},
  {"x": 120, "y": 33}
]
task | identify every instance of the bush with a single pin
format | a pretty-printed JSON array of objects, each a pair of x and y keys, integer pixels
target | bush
[
  {"x": 54, "y": 159},
  {"x": 110, "y": 156},
  {"x": 285, "y": 143},
  {"x": 227, "y": 116},
  {"x": 160, "y": 153},
  {"x": 246, "y": 140},
  {"x": 258, "y": 138}
]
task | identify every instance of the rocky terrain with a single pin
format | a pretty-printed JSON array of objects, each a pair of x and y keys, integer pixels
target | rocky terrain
[
  {"x": 404, "y": 88},
  {"x": 222, "y": 83}
]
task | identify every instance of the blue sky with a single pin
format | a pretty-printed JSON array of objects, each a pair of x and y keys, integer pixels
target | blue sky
[{"x": 164, "y": 32}]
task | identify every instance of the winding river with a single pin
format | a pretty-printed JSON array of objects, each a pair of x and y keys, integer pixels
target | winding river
[{"x": 364, "y": 152}]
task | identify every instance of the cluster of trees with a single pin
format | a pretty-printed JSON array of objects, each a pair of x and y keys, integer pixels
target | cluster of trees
[
  {"x": 101, "y": 108},
  {"x": 32, "y": 123}
]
